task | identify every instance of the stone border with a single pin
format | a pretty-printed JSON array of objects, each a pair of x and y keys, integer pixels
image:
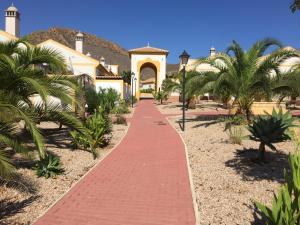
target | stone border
[
  {"x": 195, "y": 205},
  {"x": 81, "y": 178}
]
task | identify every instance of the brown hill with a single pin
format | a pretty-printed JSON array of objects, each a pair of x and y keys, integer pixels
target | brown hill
[{"x": 96, "y": 46}]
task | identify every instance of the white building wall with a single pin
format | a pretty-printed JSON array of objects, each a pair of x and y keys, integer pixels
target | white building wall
[{"x": 76, "y": 63}]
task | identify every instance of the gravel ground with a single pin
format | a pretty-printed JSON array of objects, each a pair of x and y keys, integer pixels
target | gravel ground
[
  {"x": 226, "y": 176},
  {"x": 176, "y": 108},
  {"x": 23, "y": 204}
]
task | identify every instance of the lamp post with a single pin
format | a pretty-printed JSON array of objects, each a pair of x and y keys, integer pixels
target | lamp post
[
  {"x": 132, "y": 79},
  {"x": 135, "y": 86},
  {"x": 184, "y": 58}
]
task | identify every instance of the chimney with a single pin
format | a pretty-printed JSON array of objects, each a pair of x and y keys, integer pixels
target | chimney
[
  {"x": 102, "y": 61},
  {"x": 212, "y": 51},
  {"x": 12, "y": 21},
  {"x": 79, "y": 42}
]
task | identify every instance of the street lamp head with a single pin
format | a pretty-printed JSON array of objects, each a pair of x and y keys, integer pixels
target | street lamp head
[
  {"x": 132, "y": 76},
  {"x": 135, "y": 79},
  {"x": 184, "y": 58}
]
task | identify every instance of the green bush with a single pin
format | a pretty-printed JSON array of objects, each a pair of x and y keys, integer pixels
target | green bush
[
  {"x": 105, "y": 98},
  {"x": 286, "y": 205},
  {"x": 121, "y": 108},
  {"x": 160, "y": 96},
  {"x": 98, "y": 127},
  {"x": 236, "y": 120},
  {"x": 128, "y": 101},
  {"x": 49, "y": 166},
  {"x": 270, "y": 129},
  {"x": 148, "y": 90}
]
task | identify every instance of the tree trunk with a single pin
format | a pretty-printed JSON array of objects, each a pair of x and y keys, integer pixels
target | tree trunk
[
  {"x": 191, "y": 103},
  {"x": 248, "y": 116},
  {"x": 262, "y": 151}
]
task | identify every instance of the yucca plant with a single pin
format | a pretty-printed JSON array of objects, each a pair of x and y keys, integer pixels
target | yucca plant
[
  {"x": 286, "y": 205},
  {"x": 270, "y": 129},
  {"x": 49, "y": 166}
]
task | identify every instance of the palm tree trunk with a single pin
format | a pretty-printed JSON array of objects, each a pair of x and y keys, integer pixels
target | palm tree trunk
[
  {"x": 248, "y": 115},
  {"x": 262, "y": 151}
]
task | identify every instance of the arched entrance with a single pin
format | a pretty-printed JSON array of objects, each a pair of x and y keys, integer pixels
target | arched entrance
[
  {"x": 148, "y": 65},
  {"x": 148, "y": 80}
]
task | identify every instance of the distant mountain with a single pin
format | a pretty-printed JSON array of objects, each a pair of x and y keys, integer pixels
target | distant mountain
[{"x": 96, "y": 46}]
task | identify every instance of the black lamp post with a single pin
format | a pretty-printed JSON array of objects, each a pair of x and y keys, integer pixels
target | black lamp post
[
  {"x": 135, "y": 86},
  {"x": 132, "y": 79},
  {"x": 184, "y": 58}
]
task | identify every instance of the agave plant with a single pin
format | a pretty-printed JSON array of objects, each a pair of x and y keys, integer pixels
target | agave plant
[
  {"x": 49, "y": 166},
  {"x": 270, "y": 129}
]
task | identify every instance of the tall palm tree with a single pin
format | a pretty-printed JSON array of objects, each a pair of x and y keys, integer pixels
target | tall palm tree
[
  {"x": 244, "y": 75},
  {"x": 295, "y": 5}
]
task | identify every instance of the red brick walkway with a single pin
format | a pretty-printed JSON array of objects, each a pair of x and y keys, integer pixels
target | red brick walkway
[{"x": 144, "y": 181}]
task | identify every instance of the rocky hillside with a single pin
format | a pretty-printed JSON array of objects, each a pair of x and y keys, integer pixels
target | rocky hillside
[
  {"x": 96, "y": 46},
  {"x": 113, "y": 53}
]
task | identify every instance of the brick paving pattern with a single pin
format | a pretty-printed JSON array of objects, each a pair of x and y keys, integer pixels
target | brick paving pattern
[{"x": 144, "y": 181}]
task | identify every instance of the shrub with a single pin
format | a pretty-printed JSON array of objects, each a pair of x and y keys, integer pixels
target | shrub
[
  {"x": 148, "y": 90},
  {"x": 121, "y": 108},
  {"x": 285, "y": 207},
  {"x": 128, "y": 101},
  {"x": 49, "y": 166},
  {"x": 120, "y": 120},
  {"x": 236, "y": 120},
  {"x": 98, "y": 127},
  {"x": 236, "y": 134},
  {"x": 106, "y": 98},
  {"x": 270, "y": 129},
  {"x": 160, "y": 96}
]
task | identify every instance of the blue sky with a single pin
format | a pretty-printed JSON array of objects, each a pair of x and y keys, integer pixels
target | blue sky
[{"x": 194, "y": 25}]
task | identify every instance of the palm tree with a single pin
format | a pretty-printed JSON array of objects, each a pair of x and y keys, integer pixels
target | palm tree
[
  {"x": 174, "y": 84},
  {"x": 288, "y": 84},
  {"x": 126, "y": 76},
  {"x": 295, "y": 5},
  {"x": 8, "y": 131},
  {"x": 22, "y": 79},
  {"x": 244, "y": 75}
]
